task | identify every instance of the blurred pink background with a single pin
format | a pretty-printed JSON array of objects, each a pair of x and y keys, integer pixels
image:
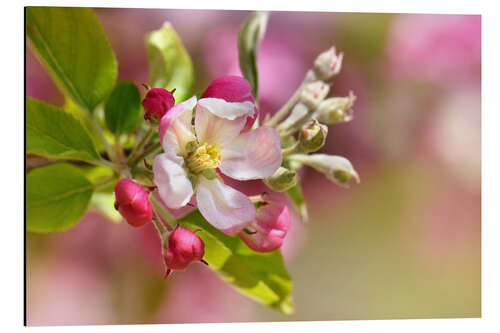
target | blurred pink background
[{"x": 405, "y": 243}]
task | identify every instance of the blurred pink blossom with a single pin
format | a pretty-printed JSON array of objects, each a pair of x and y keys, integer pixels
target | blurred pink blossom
[
  {"x": 65, "y": 292},
  {"x": 437, "y": 48},
  {"x": 454, "y": 136}
]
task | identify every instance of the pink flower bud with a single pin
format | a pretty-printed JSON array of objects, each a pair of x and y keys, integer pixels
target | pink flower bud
[
  {"x": 157, "y": 102},
  {"x": 328, "y": 64},
  {"x": 184, "y": 247},
  {"x": 132, "y": 201},
  {"x": 233, "y": 89},
  {"x": 268, "y": 230}
]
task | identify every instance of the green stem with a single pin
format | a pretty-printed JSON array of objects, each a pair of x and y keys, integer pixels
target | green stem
[
  {"x": 120, "y": 156},
  {"x": 291, "y": 150},
  {"x": 142, "y": 142},
  {"x": 158, "y": 206},
  {"x": 160, "y": 228},
  {"x": 140, "y": 171},
  {"x": 162, "y": 232},
  {"x": 106, "y": 163},
  {"x": 285, "y": 109},
  {"x": 302, "y": 158},
  {"x": 144, "y": 154},
  {"x": 100, "y": 133}
]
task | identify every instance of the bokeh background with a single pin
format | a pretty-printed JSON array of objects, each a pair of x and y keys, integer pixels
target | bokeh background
[{"x": 405, "y": 243}]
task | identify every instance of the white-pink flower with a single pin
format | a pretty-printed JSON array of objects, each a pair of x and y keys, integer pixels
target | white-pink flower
[{"x": 193, "y": 153}]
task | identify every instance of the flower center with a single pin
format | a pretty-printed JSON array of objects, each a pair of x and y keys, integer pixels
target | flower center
[{"x": 204, "y": 157}]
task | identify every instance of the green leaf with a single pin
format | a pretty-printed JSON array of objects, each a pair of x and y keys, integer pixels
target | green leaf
[
  {"x": 261, "y": 276},
  {"x": 295, "y": 193},
  {"x": 72, "y": 46},
  {"x": 170, "y": 64},
  {"x": 123, "y": 108},
  {"x": 249, "y": 38},
  {"x": 57, "y": 196},
  {"x": 84, "y": 118},
  {"x": 52, "y": 132}
]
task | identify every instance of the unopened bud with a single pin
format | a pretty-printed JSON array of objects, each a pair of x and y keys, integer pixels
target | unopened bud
[
  {"x": 336, "y": 109},
  {"x": 184, "y": 247},
  {"x": 233, "y": 89},
  {"x": 336, "y": 168},
  {"x": 282, "y": 180},
  {"x": 313, "y": 93},
  {"x": 328, "y": 64},
  {"x": 157, "y": 102},
  {"x": 132, "y": 201},
  {"x": 268, "y": 230},
  {"x": 312, "y": 137}
]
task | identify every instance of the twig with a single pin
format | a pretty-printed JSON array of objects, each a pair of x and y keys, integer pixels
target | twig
[
  {"x": 164, "y": 215},
  {"x": 144, "y": 154},
  {"x": 142, "y": 142}
]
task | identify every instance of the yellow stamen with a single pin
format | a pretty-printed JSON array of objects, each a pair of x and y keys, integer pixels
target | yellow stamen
[{"x": 204, "y": 157}]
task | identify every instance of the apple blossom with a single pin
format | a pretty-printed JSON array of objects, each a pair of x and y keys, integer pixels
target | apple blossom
[
  {"x": 192, "y": 154},
  {"x": 446, "y": 49}
]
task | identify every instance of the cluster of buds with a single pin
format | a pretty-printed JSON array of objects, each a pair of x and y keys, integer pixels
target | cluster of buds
[
  {"x": 304, "y": 127},
  {"x": 268, "y": 221},
  {"x": 218, "y": 134},
  {"x": 182, "y": 246}
]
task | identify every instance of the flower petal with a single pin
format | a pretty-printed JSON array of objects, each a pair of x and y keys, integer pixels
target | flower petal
[
  {"x": 228, "y": 110},
  {"x": 225, "y": 208},
  {"x": 220, "y": 121},
  {"x": 172, "y": 181},
  {"x": 252, "y": 155},
  {"x": 175, "y": 127}
]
